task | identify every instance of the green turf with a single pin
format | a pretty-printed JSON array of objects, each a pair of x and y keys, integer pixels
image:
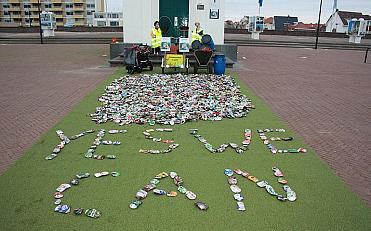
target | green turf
[{"x": 26, "y": 189}]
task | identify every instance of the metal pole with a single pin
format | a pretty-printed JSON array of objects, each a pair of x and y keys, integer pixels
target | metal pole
[
  {"x": 366, "y": 55},
  {"x": 41, "y": 31},
  {"x": 318, "y": 24},
  {"x": 106, "y": 11}
]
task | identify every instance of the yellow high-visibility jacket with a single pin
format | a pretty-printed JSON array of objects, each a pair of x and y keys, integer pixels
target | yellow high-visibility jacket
[
  {"x": 156, "y": 41},
  {"x": 196, "y": 34}
]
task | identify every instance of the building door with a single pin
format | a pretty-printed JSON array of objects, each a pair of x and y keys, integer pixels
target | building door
[{"x": 176, "y": 14}]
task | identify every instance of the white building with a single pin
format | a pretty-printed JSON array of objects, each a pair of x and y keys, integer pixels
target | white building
[
  {"x": 90, "y": 9},
  {"x": 107, "y": 19},
  {"x": 100, "y": 5},
  {"x": 338, "y": 21},
  {"x": 139, "y": 16}
]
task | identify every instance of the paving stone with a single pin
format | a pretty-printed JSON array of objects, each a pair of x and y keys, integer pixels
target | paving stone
[
  {"x": 325, "y": 98},
  {"x": 39, "y": 85}
]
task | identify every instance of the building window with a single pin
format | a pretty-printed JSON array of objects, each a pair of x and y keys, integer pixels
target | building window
[
  {"x": 115, "y": 15},
  {"x": 101, "y": 23},
  {"x": 26, "y": 6},
  {"x": 48, "y": 5},
  {"x": 69, "y": 13},
  {"x": 114, "y": 23},
  {"x": 69, "y": 5},
  {"x": 6, "y": 6},
  {"x": 6, "y": 13}
]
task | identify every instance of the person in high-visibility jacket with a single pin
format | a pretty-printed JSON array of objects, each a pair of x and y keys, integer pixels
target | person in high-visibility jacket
[
  {"x": 156, "y": 35},
  {"x": 197, "y": 32}
]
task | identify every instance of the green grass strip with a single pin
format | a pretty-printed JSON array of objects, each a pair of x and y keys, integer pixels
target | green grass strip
[{"x": 26, "y": 188}]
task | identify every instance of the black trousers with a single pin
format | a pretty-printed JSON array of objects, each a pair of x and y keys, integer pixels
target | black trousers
[{"x": 156, "y": 50}]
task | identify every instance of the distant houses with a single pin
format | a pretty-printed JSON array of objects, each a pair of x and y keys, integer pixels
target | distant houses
[
  {"x": 338, "y": 21},
  {"x": 269, "y": 23},
  {"x": 305, "y": 27},
  {"x": 242, "y": 24},
  {"x": 229, "y": 24},
  {"x": 278, "y": 23}
]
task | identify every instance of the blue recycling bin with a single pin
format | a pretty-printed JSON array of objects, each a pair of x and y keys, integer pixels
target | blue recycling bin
[{"x": 219, "y": 64}]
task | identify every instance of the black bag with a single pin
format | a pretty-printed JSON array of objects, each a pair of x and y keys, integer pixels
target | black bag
[{"x": 130, "y": 56}]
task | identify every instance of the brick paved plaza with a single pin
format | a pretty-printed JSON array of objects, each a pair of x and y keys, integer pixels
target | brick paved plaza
[
  {"x": 39, "y": 85},
  {"x": 323, "y": 95}
]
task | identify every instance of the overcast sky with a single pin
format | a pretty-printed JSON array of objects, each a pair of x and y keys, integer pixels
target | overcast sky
[{"x": 306, "y": 10}]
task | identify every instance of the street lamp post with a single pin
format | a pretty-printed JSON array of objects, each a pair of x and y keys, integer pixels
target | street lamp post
[
  {"x": 318, "y": 24},
  {"x": 41, "y": 32}
]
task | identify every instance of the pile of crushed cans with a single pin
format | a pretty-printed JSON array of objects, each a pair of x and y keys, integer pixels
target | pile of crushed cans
[
  {"x": 271, "y": 147},
  {"x": 232, "y": 181},
  {"x": 152, "y": 186},
  {"x": 223, "y": 147},
  {"x": 59, "y": 194},
  {"x": 171, "y": 99},
  {"x": 147, "y": 135}
]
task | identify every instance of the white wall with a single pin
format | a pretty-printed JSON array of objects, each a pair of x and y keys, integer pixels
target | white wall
[
  {"x": 335, "y": 22},
  {"x": 138, "y": 19},
  {"x": 139, "y": 16},
  {"x": 214, "y": 27}
]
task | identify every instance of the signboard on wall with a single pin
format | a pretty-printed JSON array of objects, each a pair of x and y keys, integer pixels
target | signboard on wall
[
  {"x": 214, "y": 9},
  {"x": 165, "y": 43},
  {"x": 183, "y": 45}
]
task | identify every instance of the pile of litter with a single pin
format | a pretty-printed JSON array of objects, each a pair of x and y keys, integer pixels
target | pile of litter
[{"x": 171, "y": 99}]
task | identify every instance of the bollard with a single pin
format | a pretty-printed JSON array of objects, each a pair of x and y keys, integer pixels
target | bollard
[{"x": 366, "y": 55}]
